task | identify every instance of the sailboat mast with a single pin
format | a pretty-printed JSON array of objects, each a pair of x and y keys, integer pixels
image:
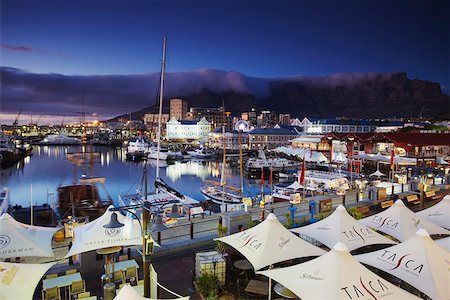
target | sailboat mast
[
  {"x": 161, "y": 96},
  {"x": 224, "y": 162}
]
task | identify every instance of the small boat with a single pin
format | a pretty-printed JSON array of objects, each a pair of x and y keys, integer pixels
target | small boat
[
  {"x": 4, "y": 200},
  {"x": 60, "y": 139},
  {"x": 137, "y": 149},
  {"x": 163, "y": 153},
  {"x": 290, "y": 192},
  {"x": 255, "y": 165},
  {"x": 8, "y": 152},
  {"x": 199, "y": 153},
  {"x": 221, "y": 195}
]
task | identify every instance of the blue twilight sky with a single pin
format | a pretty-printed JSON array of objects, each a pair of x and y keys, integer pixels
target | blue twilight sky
[
  {"x": 258, "y": 38},
  {"x": 271, "y": 38}
]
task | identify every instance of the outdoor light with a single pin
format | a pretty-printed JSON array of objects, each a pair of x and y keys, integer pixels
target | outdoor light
[
  {"x": 174, "y": 213},
  {"x": 158, "y": 224},
  {"x": 113, "y": 223}
]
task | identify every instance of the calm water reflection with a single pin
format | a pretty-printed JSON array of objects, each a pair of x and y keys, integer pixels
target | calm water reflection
[{"x": 48, "y": 168}]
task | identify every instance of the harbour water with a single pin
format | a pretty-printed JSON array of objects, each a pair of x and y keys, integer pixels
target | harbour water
[{"x": 37, "y": 177}]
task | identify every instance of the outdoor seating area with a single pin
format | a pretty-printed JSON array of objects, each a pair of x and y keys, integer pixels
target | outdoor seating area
[
  {"x": 63, "y": 286},
  {"x": 124, "y": 271}
]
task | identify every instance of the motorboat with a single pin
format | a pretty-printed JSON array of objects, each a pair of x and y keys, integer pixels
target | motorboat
[
  {"x": 163, "y": 153},
  {"x": 60, "y": 139},
  {"x": 4, "y": 200},
  {"x": 255, "y": 165},
  {"x": 137, "y": 149},
  {"x": 291, "y": 192},
  {"x": 199, "y": 153}
]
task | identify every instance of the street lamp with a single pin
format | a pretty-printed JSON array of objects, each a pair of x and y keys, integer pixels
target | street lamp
[{"x": 147, "y": 241}]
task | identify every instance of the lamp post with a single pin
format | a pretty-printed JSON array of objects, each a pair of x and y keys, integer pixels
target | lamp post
[{"x": 147, "y": 241}]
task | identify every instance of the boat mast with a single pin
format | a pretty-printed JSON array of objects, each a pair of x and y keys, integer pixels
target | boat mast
[
  {"x": 223, "y": 180},
  {"x": 161, "y": 96}
]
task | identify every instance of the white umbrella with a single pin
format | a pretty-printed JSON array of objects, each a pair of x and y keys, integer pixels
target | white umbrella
[
  {"x": 268, "y": 243},
  {"x": 130, "y": 293},
  {"x": 340, "y": 226},
  {"x": 22, "y": 240},
  {"x": 400, "y": 222},
  {"x": 438, "y": 214},
  {"x": 335, "y": 275},
  {"x": 418, "y": 261},
  {"x": 377, "y": 173},
  {"x": 93, "y": 235},
  {"x": 18, "y": 281},
  {"x": 444, "y": 243}
]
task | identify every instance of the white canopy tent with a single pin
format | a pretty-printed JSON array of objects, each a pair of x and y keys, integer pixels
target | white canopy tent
[
  {"x": 339, "y": 158},
  {"x": 440, "y": 161},
  {"x": 377, "y": 173},
  {"x": 295, "y": 186},
  {"x": 268, "y": 243},
  {"x": 444, "y": 243},
  {"x": 400, "y": 222},
  {"x": 130, "y": 293},
  {"x": 18, "y": 281},
  {"x": 340, "y": 226},
  {"x": 23, "y": 240},
  {"x": 335, "y": 275},
  {"x": 418, "y": 261},
  {"x": 438, "y": 214},
  {"x": 93, "y": 235},
  {"x": 310, "y": 156}
]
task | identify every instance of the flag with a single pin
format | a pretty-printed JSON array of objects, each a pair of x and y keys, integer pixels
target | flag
[
  {"x": 392, "y": 158},
  {"x": 301, "y": 179},
  {"x": 262, "y": 176}
]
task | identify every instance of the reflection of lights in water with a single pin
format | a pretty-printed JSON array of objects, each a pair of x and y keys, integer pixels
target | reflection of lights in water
[
  {"x": 27, "y": 160},
  {"x": 102, "y": 159},
  {"x": 108, "y": 158},
  {"x": 178, "y": 169}
]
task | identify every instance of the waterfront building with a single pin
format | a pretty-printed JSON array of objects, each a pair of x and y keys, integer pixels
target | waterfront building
[
  {"x": 188, "y": 129},
  {"x": 284, "y": 119},
  {"x": 270, "y": 138},
  {"x": 215, "y": 116},
  {"x": 151, "y": 120},
  {"x": 215, "y": 140},
  {"x": 178, "y": 109},
  {"x": 267, "y": 118}
]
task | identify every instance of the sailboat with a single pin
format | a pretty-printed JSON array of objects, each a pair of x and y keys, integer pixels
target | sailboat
[
  {"x": 219, "y": 193},
  {"x": 165, "y": 196}
]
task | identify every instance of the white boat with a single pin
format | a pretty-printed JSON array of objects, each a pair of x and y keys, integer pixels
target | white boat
[
  {"x": 137, "y": 145},
  {"x": 292, "y": 192},
  {"x": 153, "y": 153},
  {"x": 199, "y": 153},
  {"x": 276, "y": 164},
  {"x": 60, "y": 139},
  {"x": 4, "y": 200}
]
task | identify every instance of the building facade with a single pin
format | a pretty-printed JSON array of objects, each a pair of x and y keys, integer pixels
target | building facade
[
  {"x": 270, "y": 138},
  {"x": 188, "y": 129},
  {"x": 178, "y": 109},
  {"x": 215, "y": 140},
  {"x": 215, "y": 116}
]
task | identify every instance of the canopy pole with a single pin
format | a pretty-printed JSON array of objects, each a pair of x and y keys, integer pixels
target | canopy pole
[
  {"x": 270, "y": 284},
  {"x": 31, "y": 204}
]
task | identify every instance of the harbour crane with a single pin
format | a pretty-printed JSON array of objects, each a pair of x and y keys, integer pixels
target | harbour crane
[{"x": 16, "y": 121}]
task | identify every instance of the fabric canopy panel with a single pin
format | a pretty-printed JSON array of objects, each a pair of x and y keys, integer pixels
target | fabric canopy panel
[
  {"x": 129, "y": 293},
  {"x": 377, "y": 173},
  {"x": 268, "y": 243},
  {"x": 418, "y": 261},
  {"x": 310, "y": 156},
  {"x": 94, "y": 236},
  {"x": 295, "y": 186},
  {"x": 400, "y": 222},
  {"x": 335, "y": 275},
  {"x": 23, "y": 240},
  {"x": 438, "y": 214},
  {"x": 444, "y": 243},
  {"x": 18, "y": 281},
  {"x": 340, "y": 226}
]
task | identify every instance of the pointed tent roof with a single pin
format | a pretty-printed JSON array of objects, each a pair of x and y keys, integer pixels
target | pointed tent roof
[
  {"x": 295, "y": 186},
  {"x": 418, "y": 261},
  {"x": 335, "y": 275},
  {"x": 18, "y": 239},
  {"x": 340, "y": 226},
  {"x": 444, "y": 243},
  {"x": 18, "y": 281},
  {"x": 438, "y": 214},
  {"x": 93, "y": 235},
  {"x": 400, "y": 222},
  {"x": 270, "y": 242},
  {"x": 377, "y": 173}
]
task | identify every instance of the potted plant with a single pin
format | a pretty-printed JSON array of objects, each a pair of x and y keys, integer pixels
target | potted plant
[
  {"x": 221, "y": 232},
  {"x": 207, "y": 285}
]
